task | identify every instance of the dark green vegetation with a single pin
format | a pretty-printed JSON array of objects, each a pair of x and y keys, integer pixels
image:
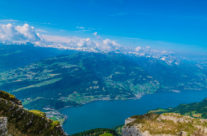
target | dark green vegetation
[
  {"x": 49, "y": 79},
  {"x": 196, "y": 110},
  {"x": 81, "y": 77},
  {"x": 10, "y": 97},
  {"x": 98, "y": 132},
  {"x": 22, "y": 122},
  {"x": 13, "y": 56}
]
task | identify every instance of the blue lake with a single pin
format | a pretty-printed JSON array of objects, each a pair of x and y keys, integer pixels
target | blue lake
[{"x": 109, "y": 114}]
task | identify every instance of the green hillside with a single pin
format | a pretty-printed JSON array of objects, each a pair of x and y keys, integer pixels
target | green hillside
[
  {"x": 14, "y": 56},
  {"x": 82, "y": 77},
  {"x": 196, "y": 110},
  {"x": 98, "y": 132},
  {"x": 23, "y": 122}
]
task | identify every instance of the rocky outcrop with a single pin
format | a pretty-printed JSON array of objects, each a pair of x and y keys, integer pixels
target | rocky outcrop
[
  {"x": 3, "y": 126},
  {"x": 22, "y": 122},
  {"x": 131, "y": 131},
  {"x": 166, "y": 124}
]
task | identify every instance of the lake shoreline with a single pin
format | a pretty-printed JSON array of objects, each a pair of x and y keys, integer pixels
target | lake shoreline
[{"x": 91, "y": 115}]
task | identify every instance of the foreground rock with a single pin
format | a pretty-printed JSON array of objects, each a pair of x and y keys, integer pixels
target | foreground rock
[
  {"x": 166, "y": 124},
  {"x": 3, "y": 126},
  {"x": 23, "y": 122}
]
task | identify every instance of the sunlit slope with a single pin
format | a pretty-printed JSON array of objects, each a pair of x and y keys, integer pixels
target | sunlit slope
[
  {"x": 22, "y": 122},
  {"x": 196, "y": 110}
]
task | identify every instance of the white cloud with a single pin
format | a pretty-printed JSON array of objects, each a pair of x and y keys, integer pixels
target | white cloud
[
  {"x": 77, "y": 43},
  {"x": 28, "y": 32},
  {"x": 163, "y": 58},
  {"x": 10, "y": 33},
  {"x": 138, "y": 48},
  {"x": 22, "y": 34},
  {"x": 95, "y": 33},
  {"x": 108, "y": 45}
]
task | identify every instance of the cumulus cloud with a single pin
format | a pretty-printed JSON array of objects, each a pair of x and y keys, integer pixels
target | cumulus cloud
[
  {"x": 109, "y": 44},
  {"x": 10, "y": 33},
  {"x": 138, "y": 48},
  {"x": 22, "y": 34},
  {"x": 77, "y": 43}
]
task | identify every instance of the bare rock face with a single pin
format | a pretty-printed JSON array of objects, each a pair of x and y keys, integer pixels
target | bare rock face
[
  {"x": 3, "y": 126},
  {"x": 131, "y": 131},
  {"x": 165, "y": 124}
]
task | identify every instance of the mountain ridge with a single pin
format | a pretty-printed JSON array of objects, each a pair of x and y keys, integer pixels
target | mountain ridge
[
  {"x": 82, "y": 77},
  {"x": 22, "y": 122}
]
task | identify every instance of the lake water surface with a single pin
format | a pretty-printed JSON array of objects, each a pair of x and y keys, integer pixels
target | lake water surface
[{"x": 109, "y": 114}]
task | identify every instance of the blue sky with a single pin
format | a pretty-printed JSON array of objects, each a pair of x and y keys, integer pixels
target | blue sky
[{"x": 182, "y": 22}]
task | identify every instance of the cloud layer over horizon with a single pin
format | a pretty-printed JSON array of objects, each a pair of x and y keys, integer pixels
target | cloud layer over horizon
[{"x": 22, "y": 34}]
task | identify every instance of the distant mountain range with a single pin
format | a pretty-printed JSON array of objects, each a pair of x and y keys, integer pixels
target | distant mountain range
[{"x": 52, "y": 78}]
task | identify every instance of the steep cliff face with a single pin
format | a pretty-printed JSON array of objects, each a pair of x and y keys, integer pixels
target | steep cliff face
[
  {"x": 23, "y": 122},
  {"x": 166, "y": 124}
]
